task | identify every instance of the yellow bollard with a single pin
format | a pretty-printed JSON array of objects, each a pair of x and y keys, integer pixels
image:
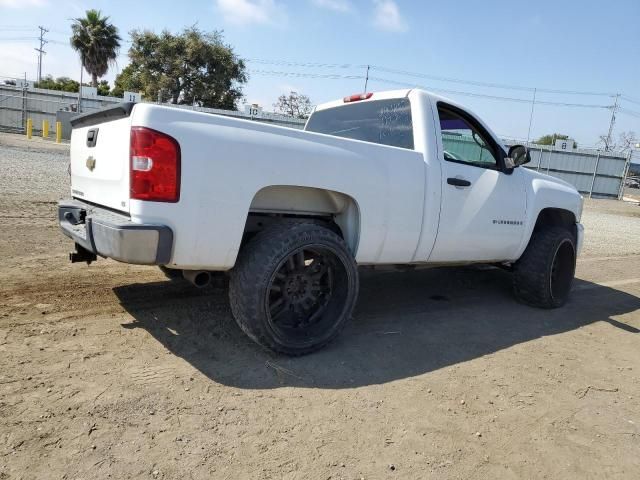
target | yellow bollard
[
  {"x": 29, "y": 128},
  {"x": 58, "y": 132},
  {"x": 45, "y": 129}
]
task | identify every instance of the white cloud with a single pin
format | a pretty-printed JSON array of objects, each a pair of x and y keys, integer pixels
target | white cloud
[
  {"x": 248, "y": 12},
  {"x": 387, "y": 17},
  {"x": 22, "y": 3},
  {"x": 335, "y": 5}
]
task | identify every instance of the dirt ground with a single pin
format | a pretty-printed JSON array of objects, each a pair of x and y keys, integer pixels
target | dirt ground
[
  {"x": 112, "y": 371},
  {"x": 632, "y": 194}
]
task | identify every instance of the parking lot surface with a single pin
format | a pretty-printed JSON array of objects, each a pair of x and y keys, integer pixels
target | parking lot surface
[{"x": 111, "y": 370}]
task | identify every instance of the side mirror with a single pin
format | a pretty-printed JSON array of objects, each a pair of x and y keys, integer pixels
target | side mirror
[{"x": 518, "y": 155}]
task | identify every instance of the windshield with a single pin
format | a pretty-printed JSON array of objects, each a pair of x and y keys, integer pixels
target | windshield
[{"x": 387, "y": 122}]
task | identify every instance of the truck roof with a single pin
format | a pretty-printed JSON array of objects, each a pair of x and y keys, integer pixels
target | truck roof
[
  {"x": 376, "y": 96},
  {"x": 385, "y": 95},
  {"x": 403, "y": 93}
]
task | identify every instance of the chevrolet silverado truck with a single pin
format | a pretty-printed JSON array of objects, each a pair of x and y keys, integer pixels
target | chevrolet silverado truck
[{"x": 391, "y": 178}]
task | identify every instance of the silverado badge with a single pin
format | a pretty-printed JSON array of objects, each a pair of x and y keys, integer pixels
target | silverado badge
[{"x": 91, "y": 163}]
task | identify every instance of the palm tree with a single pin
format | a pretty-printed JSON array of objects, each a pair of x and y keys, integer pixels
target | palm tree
[{"x": 97, "y": 41}]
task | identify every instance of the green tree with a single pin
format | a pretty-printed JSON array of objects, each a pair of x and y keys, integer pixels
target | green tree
[
  {"x": 193, "y": 67},
  {"x": 551, "y": 138},
  {"x": 294, "y": 104},
  {"x": 97, "y": 41},
  {"x": 129, "y": 80},
  {"x": 64, "y": 84},
  {"x": 103, "y": 88}
]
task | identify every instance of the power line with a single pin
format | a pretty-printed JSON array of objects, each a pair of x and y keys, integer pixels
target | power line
[
  {"x": 411, "y": 85},
  {"x": 632, "y": 113},
  {"x": 307, "y": 75},
  {"x": 60, "y": 32},
  {"x": 492, "y": 97},
  {"x": 15, "y": 28},
  {"x": 630, "y": 99},
  {"x": 304, "y": 64},
  {"x": 431, "y": 77},
  {"x": 11, "y": 39}
]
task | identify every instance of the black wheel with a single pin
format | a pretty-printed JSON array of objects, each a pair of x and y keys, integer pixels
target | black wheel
[
  {"x": 544, "y": 274},
  {"x": 294, "y": 287}
]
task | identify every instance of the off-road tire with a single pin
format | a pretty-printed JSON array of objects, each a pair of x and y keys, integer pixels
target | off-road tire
[
  {"x": 542, "y": 277},
  {"x": 253, "y": 276}
]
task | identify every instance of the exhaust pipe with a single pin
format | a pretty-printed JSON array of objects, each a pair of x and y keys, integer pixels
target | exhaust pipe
[{"x": 199, "y": 278}]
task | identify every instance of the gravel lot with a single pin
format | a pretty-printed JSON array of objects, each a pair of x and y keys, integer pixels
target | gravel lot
[
  {"x": 111, "y": 371},
  {"x": 612, "y": 226}
]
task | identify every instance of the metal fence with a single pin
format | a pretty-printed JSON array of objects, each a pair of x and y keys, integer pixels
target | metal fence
[
  {"x": 17, "y": 104},
  {"x": 592, "y": 172}
]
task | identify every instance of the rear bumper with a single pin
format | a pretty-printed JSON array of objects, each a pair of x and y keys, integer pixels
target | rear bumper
[{"x": 114, "y": 235}]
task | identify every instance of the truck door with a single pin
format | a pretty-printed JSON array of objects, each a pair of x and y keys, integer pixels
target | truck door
[{"x": 482, "y": 209}]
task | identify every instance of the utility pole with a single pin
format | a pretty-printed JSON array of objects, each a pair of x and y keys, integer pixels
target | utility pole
[
  {"x": 41, "y": 51},
  {"x": 366, "y": 80},
  {"x": 607, "y": 143}
]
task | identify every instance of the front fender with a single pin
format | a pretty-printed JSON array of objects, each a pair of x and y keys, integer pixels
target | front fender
[{"x": 544, "y": 191}]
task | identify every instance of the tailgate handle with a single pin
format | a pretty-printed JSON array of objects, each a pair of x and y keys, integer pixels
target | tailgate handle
[{"x": 92, "y": 137}]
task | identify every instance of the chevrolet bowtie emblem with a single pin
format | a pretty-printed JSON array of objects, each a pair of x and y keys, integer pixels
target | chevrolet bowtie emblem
[{"x": 91, "y": 163}]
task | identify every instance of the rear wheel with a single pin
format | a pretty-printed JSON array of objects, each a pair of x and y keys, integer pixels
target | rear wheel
[
  {"x": 544, "y": 274},
  {"x": 294, "y": 287}
]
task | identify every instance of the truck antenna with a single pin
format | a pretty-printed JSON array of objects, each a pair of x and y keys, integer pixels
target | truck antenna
[{"x": 366, "y": 80}]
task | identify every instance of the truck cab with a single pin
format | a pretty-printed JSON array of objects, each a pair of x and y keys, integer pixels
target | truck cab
[{"x": 484, "y": 206}]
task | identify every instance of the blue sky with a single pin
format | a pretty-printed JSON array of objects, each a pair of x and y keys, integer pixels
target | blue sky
[{"x": 586, "y": 46}]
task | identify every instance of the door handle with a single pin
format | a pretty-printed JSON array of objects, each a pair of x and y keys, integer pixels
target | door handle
[{"x": 458, "y": 182}]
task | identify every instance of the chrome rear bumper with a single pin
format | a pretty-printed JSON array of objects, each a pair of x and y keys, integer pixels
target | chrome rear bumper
[{"x": 113, "y": 235}]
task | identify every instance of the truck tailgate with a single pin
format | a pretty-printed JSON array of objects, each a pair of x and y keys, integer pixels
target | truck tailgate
[{"x": 100, "y": 160}]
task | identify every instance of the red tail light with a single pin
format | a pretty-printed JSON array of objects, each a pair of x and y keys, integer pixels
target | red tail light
[
  {"x": 154, "y": 166},
  {"x": 357, "y": 97}
]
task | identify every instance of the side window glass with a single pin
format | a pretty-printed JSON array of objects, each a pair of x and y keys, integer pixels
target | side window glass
[{"x": 463, "y": 143}]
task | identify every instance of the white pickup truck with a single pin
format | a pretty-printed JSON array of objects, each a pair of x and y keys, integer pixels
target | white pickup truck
[{"x": 398, "y": 177}]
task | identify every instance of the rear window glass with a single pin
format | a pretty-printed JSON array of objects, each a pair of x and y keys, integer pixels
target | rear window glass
[{"x": 387, "y": 122}]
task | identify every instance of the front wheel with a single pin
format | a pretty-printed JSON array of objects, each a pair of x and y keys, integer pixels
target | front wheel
[
  {"x": 294, "y": 287},
  {"x": 544, "y": 274}
]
